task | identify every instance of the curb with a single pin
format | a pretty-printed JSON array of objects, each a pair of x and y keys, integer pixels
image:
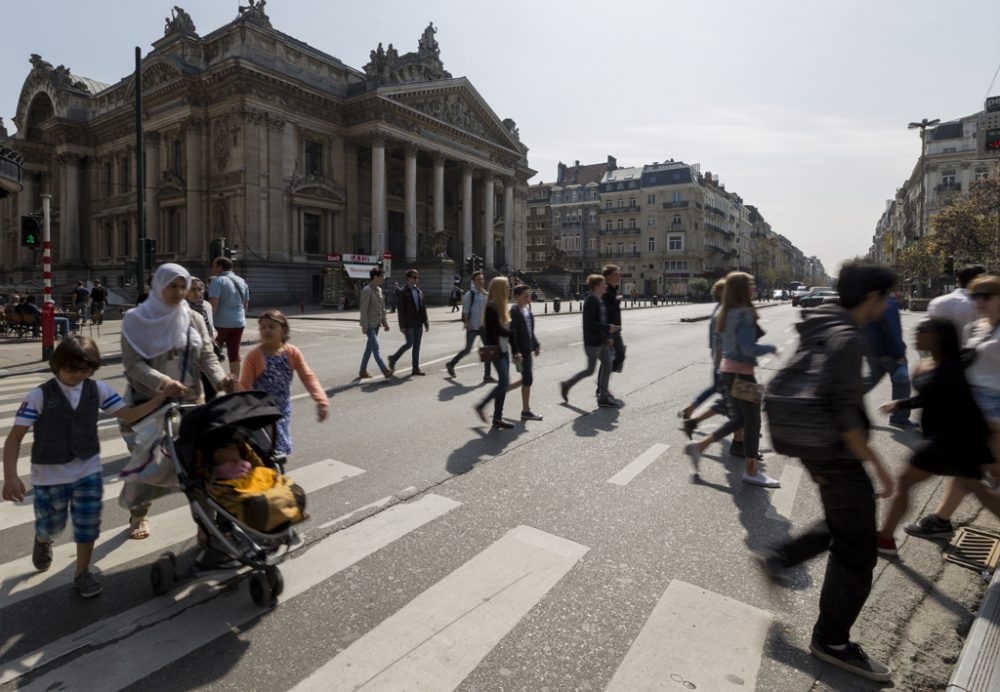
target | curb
[
  {"x": 978, "y": 666},
  {"x": 708, "y": 317}
]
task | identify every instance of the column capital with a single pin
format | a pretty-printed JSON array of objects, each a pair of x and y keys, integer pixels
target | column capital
[
  {"x": 378, "y": 139},
  {"x": 439, "y": 158},
  {"x": 68, "y": 158},
  {"x": 151, "y": 137},
  {"x": 467, "y": 168},
  {"x": 411, "y": 149}
]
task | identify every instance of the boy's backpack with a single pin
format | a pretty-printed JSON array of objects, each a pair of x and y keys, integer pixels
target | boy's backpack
[{"x": 797, "y": 402}]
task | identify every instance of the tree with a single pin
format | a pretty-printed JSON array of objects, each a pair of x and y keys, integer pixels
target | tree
[
  {"x": 967, "y": 229},
  {"x": 919, "y": 263}
]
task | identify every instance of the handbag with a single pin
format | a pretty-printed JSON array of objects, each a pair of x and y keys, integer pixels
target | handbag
[
  {"x": 490, "y": 354},
  {"x": 747, "y": 391},
  {"x": 219, "y": 353}
]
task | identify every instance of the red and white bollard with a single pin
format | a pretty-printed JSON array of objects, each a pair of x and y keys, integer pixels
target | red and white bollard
[{"x": 48, "y": 307}]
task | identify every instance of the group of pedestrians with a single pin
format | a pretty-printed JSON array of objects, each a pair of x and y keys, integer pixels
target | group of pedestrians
[{"x": 169, "y": 348}]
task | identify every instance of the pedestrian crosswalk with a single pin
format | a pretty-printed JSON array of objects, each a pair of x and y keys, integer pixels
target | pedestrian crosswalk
[{"x": 434, "y": 641}]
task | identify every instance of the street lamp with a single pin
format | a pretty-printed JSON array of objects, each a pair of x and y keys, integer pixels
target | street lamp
[{"x": 922, "y": 126}]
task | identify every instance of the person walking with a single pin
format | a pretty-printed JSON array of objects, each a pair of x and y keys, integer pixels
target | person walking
[
  {"x": 412, "y": 312},
  {"x": 165, "y": 346},
  {"x": 372, "y": 318},
  {"x": 525, "y": 347},
  {"x": 983, "y": 338},
  {"x": 715, "y": 348},
  {"x": 269, "y": 367},
  {"x": 196, "y": 301},
  {"x": 887, "y": 356},
  {"x": 613, "y": 301},
  {"x": 958, "y": 305},
  {"x": 98, "y": 299},
  {"x": 957, "y": 434},
  {"x": 230, "y": 298},
  {"x": 81, "y": 297},
  {"x": 597, "y": 343},
  {"x": 496, "y": 337},
  {"x": 737, "y": 323},
  {"x": 848, "y": 530},
  {"x": 473, "y": 303}
]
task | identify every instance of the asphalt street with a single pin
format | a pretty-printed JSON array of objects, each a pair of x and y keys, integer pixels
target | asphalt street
[{"x": 575, "y": 553}]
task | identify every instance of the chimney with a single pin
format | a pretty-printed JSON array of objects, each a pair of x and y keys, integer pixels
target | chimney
[
  {"x": 561, "y": 173},
  {"x": 612, "y": 163},
  {"x": 577, "y": 164}
]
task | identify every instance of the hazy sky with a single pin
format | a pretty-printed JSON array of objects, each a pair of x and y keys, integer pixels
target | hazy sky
[{"x": 799, "y": 107}]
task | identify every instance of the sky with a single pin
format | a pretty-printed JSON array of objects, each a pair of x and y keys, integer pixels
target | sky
[{"x": 799, "y": 107}]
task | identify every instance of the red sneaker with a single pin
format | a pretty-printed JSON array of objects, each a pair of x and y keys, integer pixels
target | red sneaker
[{"x": 887, "y": 546}]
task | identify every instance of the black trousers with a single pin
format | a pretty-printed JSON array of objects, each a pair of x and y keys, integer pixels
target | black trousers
[{"x": 848, "y": 533}]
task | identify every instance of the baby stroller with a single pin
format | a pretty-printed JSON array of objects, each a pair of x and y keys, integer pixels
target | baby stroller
[{"x": 247, "y": 417}]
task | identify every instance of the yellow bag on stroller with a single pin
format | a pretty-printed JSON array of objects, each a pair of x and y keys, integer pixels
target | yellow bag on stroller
[{"x": 263, "y": 499}]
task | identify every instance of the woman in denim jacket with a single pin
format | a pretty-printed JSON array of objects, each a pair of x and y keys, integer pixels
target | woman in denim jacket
[{"x": 737, "y": 322}]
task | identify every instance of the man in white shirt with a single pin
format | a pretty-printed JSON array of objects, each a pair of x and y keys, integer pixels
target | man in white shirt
[{"x": 958, "y": 305}]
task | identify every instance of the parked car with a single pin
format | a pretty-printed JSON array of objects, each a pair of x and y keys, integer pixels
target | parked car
[
  {"x": 817, "y": 298},
  {"x": 798, "y": 295}
]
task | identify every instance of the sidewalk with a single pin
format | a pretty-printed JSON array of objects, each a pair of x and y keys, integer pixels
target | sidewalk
[{"x": 20, "y": 357}]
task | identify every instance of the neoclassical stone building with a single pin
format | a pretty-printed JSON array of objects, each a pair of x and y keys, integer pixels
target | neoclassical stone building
[{"x": 285, "y": 151}]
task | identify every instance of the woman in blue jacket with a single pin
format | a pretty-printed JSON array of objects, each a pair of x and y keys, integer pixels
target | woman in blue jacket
[{"x": 737, "y": 323}]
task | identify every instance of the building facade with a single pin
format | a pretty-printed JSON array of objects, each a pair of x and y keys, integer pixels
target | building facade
[{"x": 283, "y": 150}]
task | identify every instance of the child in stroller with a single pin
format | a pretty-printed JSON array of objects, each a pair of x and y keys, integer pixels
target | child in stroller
[{"x": 243, "y": 504}]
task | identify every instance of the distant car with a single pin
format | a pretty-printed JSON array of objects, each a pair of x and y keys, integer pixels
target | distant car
[
  {"x": 777, "y": 294},
  {"x": 798, "y": 295},
  {"x": 817, "y": 298}
]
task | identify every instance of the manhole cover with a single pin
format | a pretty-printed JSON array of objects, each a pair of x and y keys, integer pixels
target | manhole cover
[{"x": 974, "y": 548}]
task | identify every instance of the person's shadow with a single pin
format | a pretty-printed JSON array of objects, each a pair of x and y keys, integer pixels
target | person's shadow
[
  {"x": 455, "y": 389},
  {"x": 489, "y": 443},
  {"x": 591, "y": 423}
]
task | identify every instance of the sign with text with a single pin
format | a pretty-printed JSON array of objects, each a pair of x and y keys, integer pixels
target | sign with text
[{"x": 993, "y": 104}]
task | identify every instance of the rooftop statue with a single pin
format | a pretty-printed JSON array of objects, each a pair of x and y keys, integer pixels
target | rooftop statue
[{"x": 180, "y": 21}]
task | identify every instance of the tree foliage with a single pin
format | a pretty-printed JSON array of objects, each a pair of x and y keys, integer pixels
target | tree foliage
[
  {"x": 968, "y": 228},
  {"x": 920, "y": 262}
]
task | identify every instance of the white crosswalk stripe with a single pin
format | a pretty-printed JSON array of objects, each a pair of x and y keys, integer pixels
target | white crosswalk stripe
[{"x": 19, "y": 579}]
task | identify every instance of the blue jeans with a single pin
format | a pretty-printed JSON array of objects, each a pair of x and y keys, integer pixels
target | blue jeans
[
  {"x": 413, "y": 337},
  {"x": 470, "y": 339},
  {"x": 899, "y": 377},
  {"x": 499, "y": 393},
  {"x": 371, "y": 349}
]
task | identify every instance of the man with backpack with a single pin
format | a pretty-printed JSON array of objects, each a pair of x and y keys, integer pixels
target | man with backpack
[{"x": 816, "y": 412}]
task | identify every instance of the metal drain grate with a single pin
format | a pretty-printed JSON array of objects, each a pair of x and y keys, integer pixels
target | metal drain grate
[{"x": 974, "y": 548}]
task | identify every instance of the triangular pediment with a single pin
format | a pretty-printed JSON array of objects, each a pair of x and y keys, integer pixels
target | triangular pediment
[{"x": 456, "y": 103}]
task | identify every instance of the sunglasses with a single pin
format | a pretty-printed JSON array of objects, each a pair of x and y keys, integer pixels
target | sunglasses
[{"x": 982, "y": 296}]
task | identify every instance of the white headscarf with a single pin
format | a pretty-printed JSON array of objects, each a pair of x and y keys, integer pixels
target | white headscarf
[{"x": 154, "y": 327}]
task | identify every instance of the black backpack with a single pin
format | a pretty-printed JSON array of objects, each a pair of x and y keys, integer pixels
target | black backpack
[{"x": 797, "y": 402}]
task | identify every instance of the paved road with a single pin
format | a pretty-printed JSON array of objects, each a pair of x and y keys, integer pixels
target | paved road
[{"x": 574, "y": 553}]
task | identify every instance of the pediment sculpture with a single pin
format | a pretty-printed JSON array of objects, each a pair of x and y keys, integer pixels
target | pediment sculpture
[
  {"x": 180, "y": 22},
  {"x": 454, "y": 112},
  {"x": 387, "y": 66},
  {"x": 255, "y": 13}
]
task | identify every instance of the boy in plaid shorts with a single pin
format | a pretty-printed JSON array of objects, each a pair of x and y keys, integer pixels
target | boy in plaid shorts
[{"x": 65, "y": 454}]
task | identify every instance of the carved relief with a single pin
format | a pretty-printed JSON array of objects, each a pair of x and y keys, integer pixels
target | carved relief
[
  {"x": 225, "y": 136},
  {"x": 452, "y": 111}
]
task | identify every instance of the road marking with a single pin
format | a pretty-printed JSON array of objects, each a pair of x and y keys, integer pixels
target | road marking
[
  {"x": 18, "y": 513},
  {"x": 140, "y": 649},
  {"x": 576, "y": 343},
  {"x": 20, "y": 580},
  {"x": 437, "y": 639},
  {"x": 764, "y": 362},
  {"x": 681, "y": 643},
  {"x": 7, "y": 384},
  {"x": 783, "y": 499},
  {"x": 788, "y": 329},
  {"x": 378, "y": 504},
  {"x": 639, "y": 464}
]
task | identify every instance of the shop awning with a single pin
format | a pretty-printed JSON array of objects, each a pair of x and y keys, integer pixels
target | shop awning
[{"x": 359, "y": 271}]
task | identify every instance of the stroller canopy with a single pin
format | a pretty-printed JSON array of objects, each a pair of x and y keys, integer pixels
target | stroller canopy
[{"x": 251, "y": 410}]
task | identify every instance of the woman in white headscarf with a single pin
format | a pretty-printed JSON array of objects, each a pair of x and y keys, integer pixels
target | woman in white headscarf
[{"x": 166, "y": 345}]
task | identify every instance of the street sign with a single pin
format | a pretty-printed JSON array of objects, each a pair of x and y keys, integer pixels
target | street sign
[{"x": 333, "y": 257}]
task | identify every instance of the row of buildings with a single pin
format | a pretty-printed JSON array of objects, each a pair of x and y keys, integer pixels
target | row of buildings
[
  {"x": 953, "y": 155},
  {"x": 295, "y": 158},
  {"x": 665, "y": 224}
]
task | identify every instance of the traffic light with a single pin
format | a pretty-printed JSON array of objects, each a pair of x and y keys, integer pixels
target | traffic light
[
  {"x": 477, "y": 263},
  {"x": 149, "y": 252},
  {"x": 216, "y": 249},
  {"x": 30, "y": 236}
]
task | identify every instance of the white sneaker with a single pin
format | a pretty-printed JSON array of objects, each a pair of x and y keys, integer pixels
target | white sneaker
[{"x": 761, "y": 479}]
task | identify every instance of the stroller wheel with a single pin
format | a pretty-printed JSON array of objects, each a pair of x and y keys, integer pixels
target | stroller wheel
[
  {"x": 275, "y": 580},
  {"x": 163, "y": 574},
  {"x": 260, "y": 591}
]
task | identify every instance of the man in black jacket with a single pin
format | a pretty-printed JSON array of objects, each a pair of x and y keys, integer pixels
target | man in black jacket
[
  {"x": 848, "y": 531},
  {"x": 597, "y": 341},
  {"x": 412, "y": 311},
  {"x": 613, "y": 300},
  {"x": 525, "y": 345}
]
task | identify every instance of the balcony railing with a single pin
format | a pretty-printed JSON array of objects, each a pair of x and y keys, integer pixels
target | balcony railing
[
  {"x": 632, "y": 209},
  {"x": 624, "y": 254},
  {"x": 948, "y": 187},
  {"x": 718, "y": 229},
  {"x": 675, "y": 205},
  {"x": 715, "y": 210},
  {"x": 620, "y": 231}
]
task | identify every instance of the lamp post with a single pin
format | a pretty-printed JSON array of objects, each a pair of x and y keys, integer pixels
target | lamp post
[{"x": 922, "y": 126}]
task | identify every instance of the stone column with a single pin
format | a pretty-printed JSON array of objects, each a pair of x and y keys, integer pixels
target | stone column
[
  {"x": 466, "y": 211},
  {"x": 378, "y": 197},
  {"x": 152, "y": 174},
  {"x": 488, "y": 241},
  {"x": 68, "y": 249},
  {"x": 508, "y": 222},
  {"x": 410, "y": 219},
  {"x": 196, "y": 235},
  {"x": 438, "y": 193}
]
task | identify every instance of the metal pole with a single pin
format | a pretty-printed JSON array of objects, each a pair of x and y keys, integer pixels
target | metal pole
[
  {"x": 140, "y": 183},
  {"x": 48, "y": 307}
]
